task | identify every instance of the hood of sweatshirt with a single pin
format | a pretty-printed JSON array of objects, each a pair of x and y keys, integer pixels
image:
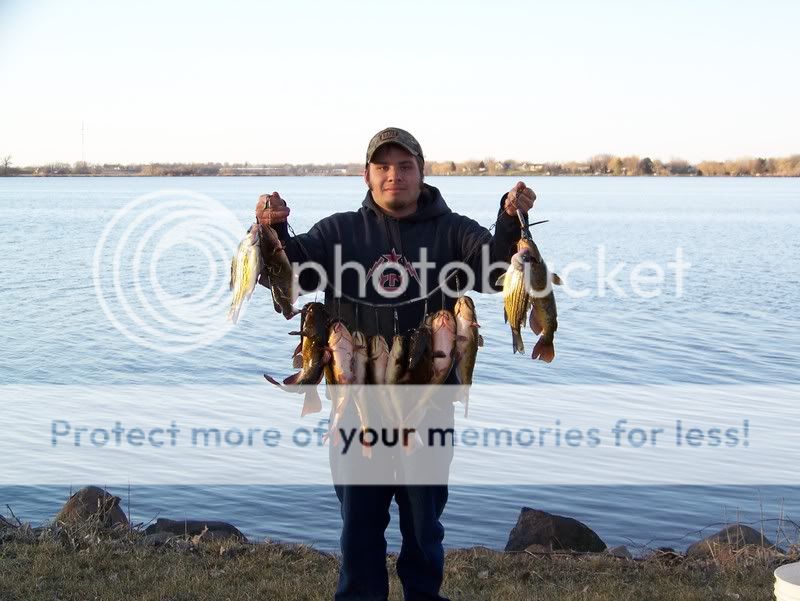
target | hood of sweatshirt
[{"x": 430, "y": 205}]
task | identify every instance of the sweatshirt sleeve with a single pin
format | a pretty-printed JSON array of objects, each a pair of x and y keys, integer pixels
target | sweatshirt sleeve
[
  {"x": 500, "y": 248},
  {"x": 301, "y": 248}
]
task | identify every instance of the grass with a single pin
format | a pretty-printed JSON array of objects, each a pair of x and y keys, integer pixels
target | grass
[{"x": 86, "y": 564}]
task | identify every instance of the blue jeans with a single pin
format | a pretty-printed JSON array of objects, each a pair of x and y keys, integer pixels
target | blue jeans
[{"x": 365, "y": 515}]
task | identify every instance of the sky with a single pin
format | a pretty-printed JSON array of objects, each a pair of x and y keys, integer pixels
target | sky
[{"x": 302, "y": 81}]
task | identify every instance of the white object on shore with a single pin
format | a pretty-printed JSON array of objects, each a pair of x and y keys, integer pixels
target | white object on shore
[{"x": 787, "y": 582}]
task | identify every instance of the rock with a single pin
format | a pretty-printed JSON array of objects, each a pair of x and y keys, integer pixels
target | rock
[
  {"x": 553, "y": 532},
  {"x": 665, "y": 555},
  {"x": 730, "y": 538},
  {"x": 157, "y": 539},
  {"x": 93, "y": 505},
  {"x": 620, "y": 551},
  {"x": 214, "y": 530}
]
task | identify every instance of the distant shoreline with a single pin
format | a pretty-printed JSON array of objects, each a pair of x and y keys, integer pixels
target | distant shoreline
[
  {"x": 601, "y": 165},
  {"x": 457, "y": 175}
]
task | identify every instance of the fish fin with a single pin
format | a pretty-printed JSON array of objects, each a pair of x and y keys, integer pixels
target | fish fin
[
  {"x": 535, "y": 324},
  {"x": 517, "y": 343},
  {"x": 544, "y": 351},
  {"x": 505, "y": 315},
  {"x": 475, "y": 324},
  {"x": 557, "y": 280},
  {"x": 292, "y": 313},
  {"x": 272, "y": 380},
  {"x": 298, "y": 349},
  {"x": 312, "y": 402},
  {"x": 480, "y": 340},
  {"x": 292, "y": 380},
  {"x": 295, "y": 333},
  {"x": 233, "y": 314},
  {"x": 297, "y": 361},
  {"x": 500, "y": 280}
]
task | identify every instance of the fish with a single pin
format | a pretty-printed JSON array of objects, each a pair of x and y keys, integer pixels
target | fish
[
  {"x": 360, "y": 358},
  {"x": 396, "y": 365},
  {"x": 467, "y": 342},
  {"x": 543, "y": 318},
  {"x": 395, "y": 372},
  {"x": 419, "y": 361},
  {"x": 378, "y": 360},
  {"x": 360, "y": 400},
  {"x": 515, "y": 295},
  {"x": 443, "y": 327},
  {"x": 278, "y": 273},
  {"x": 339, "y": 371},
  {"x": 245, "y": 270},
  {"x": 442, "y": 336},
  {"x": 314, "y": 354}
]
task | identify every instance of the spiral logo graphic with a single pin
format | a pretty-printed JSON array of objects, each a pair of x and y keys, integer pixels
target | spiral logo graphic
[{"x": 162, "y": 266}]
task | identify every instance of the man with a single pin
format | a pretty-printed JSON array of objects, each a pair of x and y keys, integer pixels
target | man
[{"x": 402, "y": 223}]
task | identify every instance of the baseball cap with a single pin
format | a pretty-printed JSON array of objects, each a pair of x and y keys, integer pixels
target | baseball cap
[{"x": 394, "y": 135}]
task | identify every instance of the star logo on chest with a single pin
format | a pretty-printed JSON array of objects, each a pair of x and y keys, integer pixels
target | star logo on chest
[{"x": 394, "y": 268}]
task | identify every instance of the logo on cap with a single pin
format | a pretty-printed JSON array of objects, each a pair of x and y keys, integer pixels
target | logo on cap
[{"x": 386, "y": 135}]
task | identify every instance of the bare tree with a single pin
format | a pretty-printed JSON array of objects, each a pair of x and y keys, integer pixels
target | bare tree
[{"x": 6, "y": 163}]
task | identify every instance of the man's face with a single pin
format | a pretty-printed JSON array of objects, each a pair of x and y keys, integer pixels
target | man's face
[{"x": 395, "y": 180}]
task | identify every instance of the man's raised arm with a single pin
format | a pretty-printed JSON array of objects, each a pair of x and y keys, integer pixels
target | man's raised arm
[
  {"x": 272, "y": 210},
  {"x": 503, "y": 244}
]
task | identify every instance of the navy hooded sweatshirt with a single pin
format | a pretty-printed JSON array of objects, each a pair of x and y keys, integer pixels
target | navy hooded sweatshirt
[{"x": 391, "y": 246}]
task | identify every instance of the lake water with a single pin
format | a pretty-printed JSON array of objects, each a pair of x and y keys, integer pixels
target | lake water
[{"x": 735, "y": 323}]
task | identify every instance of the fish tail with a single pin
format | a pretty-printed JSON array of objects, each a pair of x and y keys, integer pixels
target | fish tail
[
  {"x": 233, "y": 313},
  {"x": 516, "y": 341},
  {"x": 544, "y": 350},
  {"x": 312, "y": 402}
]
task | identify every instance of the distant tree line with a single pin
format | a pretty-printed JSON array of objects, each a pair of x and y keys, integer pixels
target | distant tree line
[{"x": 601, "y": 164}]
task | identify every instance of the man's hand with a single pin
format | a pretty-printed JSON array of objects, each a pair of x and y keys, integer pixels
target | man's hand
[
  {"x": 521, "y": 197},
  {"x": 271, "y": 209}
]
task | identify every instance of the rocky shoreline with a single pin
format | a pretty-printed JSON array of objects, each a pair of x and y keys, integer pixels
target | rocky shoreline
[
  {"x": 91, "y": 551},
  {"x": 536, "y": 532}
]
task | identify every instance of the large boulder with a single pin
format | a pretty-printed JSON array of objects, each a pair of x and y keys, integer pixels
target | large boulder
[
  {"x": 553, "y": 532},
  {"x": 93, "y": 505},
  {"x": 209, "y": 529},
  {"x": 730, "y": 538}
]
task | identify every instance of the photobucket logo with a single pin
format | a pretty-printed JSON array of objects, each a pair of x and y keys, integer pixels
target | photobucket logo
[
  {"x": 153, "y": 299},
  {"x": 391, "y": 275}
]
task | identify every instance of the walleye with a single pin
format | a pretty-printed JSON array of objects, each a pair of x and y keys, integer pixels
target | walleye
[
  {"x": 314, "y": 354},
  {"x": 467, "y": 342},
  {"x": 245, "y": 270},
  {"x": 443, "y": 326},
  {"x": 278, "y": 272},
  {"x": 378, "y": 360}
]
